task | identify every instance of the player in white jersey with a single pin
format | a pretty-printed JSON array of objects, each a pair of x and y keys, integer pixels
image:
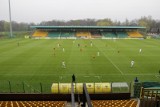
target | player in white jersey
[
  {"x": 58, "y": 45},
  {"x": 132, "y": 63},
  {"x": 140, "y": 50},
  {"x": 91, "y": 44},
  {"x": 63, "y": 64},
  {"x": 97, "y": 53}
]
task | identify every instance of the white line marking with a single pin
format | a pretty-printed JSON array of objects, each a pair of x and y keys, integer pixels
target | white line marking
[
  {"x": 86, "y": 76},
  {"x": 72, "y": 74},
  {"x": 111, "y": 61},
  {"x": 96, "y": 76},
  {"x": 29, "y": 86}
]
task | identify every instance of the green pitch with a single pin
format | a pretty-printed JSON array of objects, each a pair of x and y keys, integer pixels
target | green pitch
[{"x": 31, "y": 62}]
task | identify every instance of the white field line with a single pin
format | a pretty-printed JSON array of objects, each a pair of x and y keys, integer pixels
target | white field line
[
  {"x": 111, "y": 61},
  {"x": 86, "y": 76},
  {"x": 96, "y": 76},
  {"x": 72, "y": 74},
  {"x": 99, "y": 78},
  {"x": 29, "y": 86}
]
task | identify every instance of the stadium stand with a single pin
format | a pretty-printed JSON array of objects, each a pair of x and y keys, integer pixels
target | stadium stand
[
  {"x": 96, "y": 34},
  {"x": 88, "y": 32},
  {"x": 134, "y": 34},
  {"x": 67, "y": 93},
  {"x": 83, "y": 34},
  {"x": 109, "y": 34},
  {"x": 92, "y": 94},
  {"x": 53, "y": 34},
  {"x": 40, "y": 33},
  {"x": 67, "y": 34},
  {"x": 33, "y": 104},
  {"x": 115, "y": 103},
  {"x": 122, "y": 34}
]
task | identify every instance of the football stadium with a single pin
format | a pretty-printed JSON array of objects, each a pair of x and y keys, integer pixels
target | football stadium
[
  {"x": 98, "y": 56},
  {"x": 79, "y": 65}
]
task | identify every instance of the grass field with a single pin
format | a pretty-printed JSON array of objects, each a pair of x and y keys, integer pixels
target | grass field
[{"x": 36, "y": 61}]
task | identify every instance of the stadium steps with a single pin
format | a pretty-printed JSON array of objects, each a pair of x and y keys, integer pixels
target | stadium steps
[
  {"x": 134, "y": 34},
  {"x": 96, "y": 34},
  {"x": 83, "y": 34},
  {"x": 114, "y": 103},
  {"x": 33, "y": 104},
  {"x": 109, "y": 34},
  {"x": 69, "y": 104},
  {"x": 67, "y": 34},
  {"x": 40, "y": 33},
  {"x": 122, "y": 35},
  {"x": 53, "y": 34}
]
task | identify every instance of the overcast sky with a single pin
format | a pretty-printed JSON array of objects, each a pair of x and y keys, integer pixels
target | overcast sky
[{"x": 46, "y": 10}]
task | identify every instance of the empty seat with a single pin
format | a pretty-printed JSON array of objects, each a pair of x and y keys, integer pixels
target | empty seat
[
  {"x": 53, "y": 34},
  {"x": 109, "y": 34},
  {"x": 114, "y": 103},
  {"x": 122, "y": 34},
  {"x": 83, "y": 34},
  {"x": 32, "y": 103},
  {"x": 40, "y": 33},
  {"x": 134, "y": 34}
]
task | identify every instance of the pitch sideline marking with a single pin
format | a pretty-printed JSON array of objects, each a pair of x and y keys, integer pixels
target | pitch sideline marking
[
  {"x": 86, "y": 76},
  {"x": 29, "y": 86},
  {"x": 98, "y": 78},
  {"x": 112, "y": 62},
  {"x": 71, "y": 74}
]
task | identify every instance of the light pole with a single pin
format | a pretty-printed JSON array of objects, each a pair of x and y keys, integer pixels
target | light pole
[{"x": 11, "y": 35}]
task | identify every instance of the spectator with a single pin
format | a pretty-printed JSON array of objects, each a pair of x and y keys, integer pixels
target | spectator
[{"x": 73, "y": 78}]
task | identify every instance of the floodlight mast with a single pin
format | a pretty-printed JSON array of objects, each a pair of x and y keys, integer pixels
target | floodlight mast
[{"x": 11, "y": 34}]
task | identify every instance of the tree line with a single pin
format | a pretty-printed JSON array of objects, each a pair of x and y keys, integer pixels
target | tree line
[{"x": 147, "y": 22}]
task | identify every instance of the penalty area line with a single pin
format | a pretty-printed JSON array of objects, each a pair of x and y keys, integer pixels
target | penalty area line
[
  {"x": 99, "y": 78},
  {"x": 111, "y": 61},
  {"x": 72, "y": 74},
  {"x": 86, "y": 76}
]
